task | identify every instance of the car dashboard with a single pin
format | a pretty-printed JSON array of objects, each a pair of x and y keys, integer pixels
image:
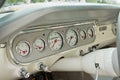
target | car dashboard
[{"x": 45, "y": 33}]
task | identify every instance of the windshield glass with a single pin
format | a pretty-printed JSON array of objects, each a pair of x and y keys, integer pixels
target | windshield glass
[
  {"x": 13, "y": 5},
  {"x": 20, "y": 2}
]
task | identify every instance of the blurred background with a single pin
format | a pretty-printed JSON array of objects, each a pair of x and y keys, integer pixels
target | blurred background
[{"x": 18, "y": 2}]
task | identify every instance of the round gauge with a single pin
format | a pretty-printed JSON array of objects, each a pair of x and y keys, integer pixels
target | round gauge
[
  {"x": 55, "y": 41},
  {"x": 23, "y": 48},
  {"x": 39, "y": 44},
  {"x": 71, "y": 37},
  {"x": 90, "y": 33},
  {"x": 82, "y": 34}
]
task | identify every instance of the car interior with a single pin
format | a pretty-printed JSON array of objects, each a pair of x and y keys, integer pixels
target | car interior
[{"x": 61, "y": 41}]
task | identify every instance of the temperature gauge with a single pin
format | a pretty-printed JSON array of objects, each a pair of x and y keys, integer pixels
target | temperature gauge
[
  {"x": 23, "y": 48},
  {"x": 39, "y": 44},
  {"x": 90, "y": 33},
  {"x": 55, "y": 41},
  {"x": 82, "y": 34},
  {"x": 71, "y": 37}
]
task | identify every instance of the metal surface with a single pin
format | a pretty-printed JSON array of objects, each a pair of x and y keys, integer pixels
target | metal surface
[{"x": 24, "y": 73}]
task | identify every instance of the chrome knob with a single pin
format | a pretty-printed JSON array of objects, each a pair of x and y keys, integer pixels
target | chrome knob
[
  {"x": 43, "y": 67},
  {"x": 24, "y": 73}
]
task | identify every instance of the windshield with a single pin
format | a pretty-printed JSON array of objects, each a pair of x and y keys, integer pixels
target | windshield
[
  {"x": 21, "y": 2},
  {"x": 13, "y": 5}
]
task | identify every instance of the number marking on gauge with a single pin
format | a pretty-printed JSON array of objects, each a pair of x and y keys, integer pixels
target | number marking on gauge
[
  {"x": 39, "y": 44},
  {"x": 55, "y": 41},
  {"x": 71, "y": 37},
  {"x": 23, "y": 48}
]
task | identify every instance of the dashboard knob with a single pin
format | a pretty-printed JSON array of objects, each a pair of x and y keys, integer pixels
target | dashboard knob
[
  {"x": 43, "y": 67},
  {"x": 24, "y": 73}
]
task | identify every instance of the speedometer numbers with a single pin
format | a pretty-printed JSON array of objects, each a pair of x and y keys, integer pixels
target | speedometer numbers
[
  {"x": 39, "y": 44},
  {"x": 55, "y": 41},
  {"x": 23, "y": 48},
  {"x": 71, "y": 37}
]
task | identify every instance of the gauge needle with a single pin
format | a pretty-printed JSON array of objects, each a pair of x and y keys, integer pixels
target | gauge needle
[
  {"x": 23, "y": 51},
  {"x": 39, "y": 47},
  {"x": 55, "y": 41},
  {"x": 90, "y": 35},
  {"x": 83, "y": 37},
  {"x": 71, "y": 38}
]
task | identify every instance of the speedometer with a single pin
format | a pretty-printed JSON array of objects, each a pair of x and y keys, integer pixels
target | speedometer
[
  {"x": 55, "y": 41},
  {"x": 71, "y": 37}
]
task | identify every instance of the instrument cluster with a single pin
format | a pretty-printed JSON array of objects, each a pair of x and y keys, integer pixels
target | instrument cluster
[{"x": 33, "y": 44}]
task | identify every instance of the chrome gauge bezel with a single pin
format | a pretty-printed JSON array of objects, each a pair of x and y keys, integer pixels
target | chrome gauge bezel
[
  {"x": 93, "y": 32},
  {"x": 60, "y": 35},
  {"x": 84, "y": 31},
  {"x": 28, "y": 44},
  {"x": 43, "y": 44},
  {"x": 35, "y": 33},
  {"x": 77, "y": 37}
]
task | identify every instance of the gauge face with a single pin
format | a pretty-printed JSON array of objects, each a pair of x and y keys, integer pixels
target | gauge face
[
  {"x": 23, "y": 48},
  {"x": 39, "y": 44},
  {"x": 71, "y": 37},
  {"x": 82, "y": 34},
  {"x": 90, "y": 33},
  {"x": 55, "y": 41}
]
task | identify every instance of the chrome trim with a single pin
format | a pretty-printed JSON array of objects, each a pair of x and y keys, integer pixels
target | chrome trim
[
  {"x": 35, "y": 30},
  {"x": 11, "y": 52}
]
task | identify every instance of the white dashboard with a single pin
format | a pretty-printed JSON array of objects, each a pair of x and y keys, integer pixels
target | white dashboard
[{"x": 46, "y": 34}]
